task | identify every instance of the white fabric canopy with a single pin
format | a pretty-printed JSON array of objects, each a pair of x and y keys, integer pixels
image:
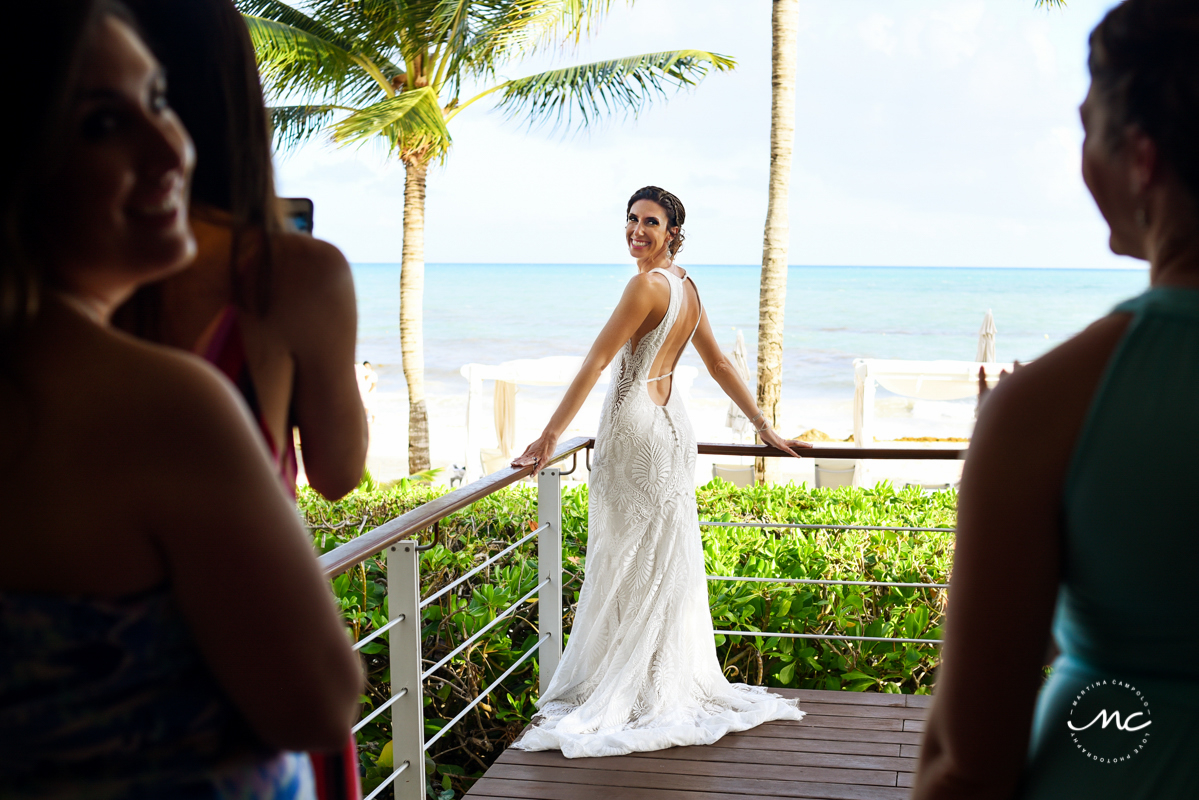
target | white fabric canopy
[
  {"x": 986, "y": 339},
  {"x": 735, "y": 418},
  {"x": 551, "y": 371},
  {"x": 925, "y": 380},
  {"x": 505, "y": 416}
]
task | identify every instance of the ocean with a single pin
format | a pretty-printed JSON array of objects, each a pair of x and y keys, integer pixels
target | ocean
[{"x": 488, "y": 313}]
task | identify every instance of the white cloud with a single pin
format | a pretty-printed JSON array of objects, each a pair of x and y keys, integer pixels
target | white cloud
[
  {"x": 878, "y": 32},
  {"x": 953, "y": 31},
  {"x": 937, "y": 132}
]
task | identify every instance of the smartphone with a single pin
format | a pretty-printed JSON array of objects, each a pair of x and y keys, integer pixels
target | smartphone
[{"x": 298, "y": 213}]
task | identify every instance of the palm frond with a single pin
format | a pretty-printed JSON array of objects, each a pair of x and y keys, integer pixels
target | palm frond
[
  {"x": 411, "y": 121},
  {"x": 378, "y": 28},
  {"x": 605, "y": 87},
  {"x": 276, "y": 11},
  {"x": 574, "y": 20},
  {"x": 293, "y": 60},
  {"x": 294, "y": 125},
  {"x": 1051, "y": 3}
]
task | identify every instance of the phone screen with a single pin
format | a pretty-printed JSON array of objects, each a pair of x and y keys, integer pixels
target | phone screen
[{"x": 298, "y": 213}]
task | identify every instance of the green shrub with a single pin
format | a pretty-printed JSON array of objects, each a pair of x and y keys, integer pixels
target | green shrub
[{"x": 469, "y": 537}]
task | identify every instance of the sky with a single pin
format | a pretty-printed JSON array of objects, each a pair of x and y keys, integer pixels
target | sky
[{"x": 928, "y": 133}]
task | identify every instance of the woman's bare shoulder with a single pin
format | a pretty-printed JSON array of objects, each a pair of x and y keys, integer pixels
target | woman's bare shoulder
[
  {"x": 167, "y": 392},
  {"x": 1069, "y": 371},
  {"x": 310, "y": 278},
  {"x": 654, "y": 284},
  {"x": 1042, "y": 406},
  {"x": 305, "y": 257}
]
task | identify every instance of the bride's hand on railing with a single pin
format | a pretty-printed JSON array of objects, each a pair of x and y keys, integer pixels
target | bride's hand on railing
[
  {"x": 770, "y": 437},
  {"x": 538, "y": 453}
]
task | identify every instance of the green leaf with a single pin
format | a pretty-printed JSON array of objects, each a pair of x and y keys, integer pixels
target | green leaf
[
  {"x": 409, "y": 121},
  {"x": 624, "y": 85},
  {"x": 787, "y": 674}
]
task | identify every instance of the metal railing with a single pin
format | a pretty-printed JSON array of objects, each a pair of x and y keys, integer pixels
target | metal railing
[{"x": 397, "y": 540}]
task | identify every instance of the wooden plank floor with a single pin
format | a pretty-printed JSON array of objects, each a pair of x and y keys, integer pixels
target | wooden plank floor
[{"x": 850, "y": 746}]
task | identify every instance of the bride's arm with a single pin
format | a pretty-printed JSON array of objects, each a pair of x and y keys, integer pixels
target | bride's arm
[
  {"x": 642, "y": 294},
  {"x": 723, "y": 372}
]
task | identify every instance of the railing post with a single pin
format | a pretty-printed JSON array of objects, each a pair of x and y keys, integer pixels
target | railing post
[
  {"x": 407, "y": 716},
  {"x": 549, "y": 567}
]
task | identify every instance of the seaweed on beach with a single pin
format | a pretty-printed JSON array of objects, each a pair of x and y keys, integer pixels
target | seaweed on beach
[{"x": 470, "y": 536}]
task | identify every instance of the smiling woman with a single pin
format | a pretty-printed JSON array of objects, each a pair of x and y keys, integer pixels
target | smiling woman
[
  {"x": 640, "y": 671},
  {"x": 131, "y": 671}
]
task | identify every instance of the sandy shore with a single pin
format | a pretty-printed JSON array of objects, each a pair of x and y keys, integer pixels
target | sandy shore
[{"x": 388, "y": 456}]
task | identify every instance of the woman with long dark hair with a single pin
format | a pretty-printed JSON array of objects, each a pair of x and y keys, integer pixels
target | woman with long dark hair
[
  {"x": 273, "y": 309},
  {"x": 640, "y": 671},
  {"x": 138, "y": 498},
  {"x": 1077, "y": 513}
]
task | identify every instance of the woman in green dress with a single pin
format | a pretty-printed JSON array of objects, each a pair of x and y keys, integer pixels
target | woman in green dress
[{"x": 1076, "y": 498}]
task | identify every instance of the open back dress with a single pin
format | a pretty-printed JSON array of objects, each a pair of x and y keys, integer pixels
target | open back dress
[{"x": 640, "y": 671}]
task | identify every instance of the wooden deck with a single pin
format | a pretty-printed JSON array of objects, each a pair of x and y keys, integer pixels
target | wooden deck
[{"x": 851, "y": 746}]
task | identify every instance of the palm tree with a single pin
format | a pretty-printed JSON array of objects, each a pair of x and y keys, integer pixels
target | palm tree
[
  {"x": 393, "y": 70},
  {"x": 772, "y": 293}
]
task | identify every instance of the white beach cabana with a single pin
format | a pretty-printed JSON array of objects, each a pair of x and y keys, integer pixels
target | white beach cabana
[
  {"x": 551, "y": 371},
  {"x": 923, "y": 380},
  {"x": 739, "y": 474}
]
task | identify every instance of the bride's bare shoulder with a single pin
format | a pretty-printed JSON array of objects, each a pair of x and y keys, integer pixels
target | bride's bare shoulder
[{"x": 654, "y": 283}]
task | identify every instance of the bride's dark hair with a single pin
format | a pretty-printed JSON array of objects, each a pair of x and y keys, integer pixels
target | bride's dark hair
[{"x": 675, "y": 212}]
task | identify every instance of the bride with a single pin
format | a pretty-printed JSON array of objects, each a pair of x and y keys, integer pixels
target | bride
[{"x": 640, "y": 671}]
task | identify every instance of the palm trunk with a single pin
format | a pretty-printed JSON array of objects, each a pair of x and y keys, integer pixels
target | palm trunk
[
  {"x": 412, "y": 292},
  {"x": 773, "y": 292}
]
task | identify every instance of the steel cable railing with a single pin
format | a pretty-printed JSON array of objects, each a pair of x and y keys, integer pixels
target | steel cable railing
[
  {"x": 769, "y": 634},
  {"x": 821, "y": 526},
  {"x": 487, "y": 691},
  {"x": 822, "y": 582},
  {"x": 480, "y": 568},
  {"x": 397, "y": 537},
  {"x": 498, "y": 619}
]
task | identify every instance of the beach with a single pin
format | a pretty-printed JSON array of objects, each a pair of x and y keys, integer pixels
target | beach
[{"x": 491, "y": 313}]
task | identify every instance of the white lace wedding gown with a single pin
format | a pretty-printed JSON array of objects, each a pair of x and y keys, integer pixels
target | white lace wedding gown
[{"x": 640, "y": 671}]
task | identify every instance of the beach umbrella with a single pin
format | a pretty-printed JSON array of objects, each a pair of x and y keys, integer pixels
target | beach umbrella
[
  {"x": 735, "y": 419},
  {"x": 505, "y": 416},
  {"x": 986, "y": 340}
]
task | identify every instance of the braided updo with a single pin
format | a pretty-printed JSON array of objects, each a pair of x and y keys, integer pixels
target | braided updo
[
  {"x": 675, "y": 213},
  {"x": 1144, "y": 64}
]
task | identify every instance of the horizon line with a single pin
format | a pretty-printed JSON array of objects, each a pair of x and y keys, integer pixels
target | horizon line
[{"x": 1131, "y": 268}]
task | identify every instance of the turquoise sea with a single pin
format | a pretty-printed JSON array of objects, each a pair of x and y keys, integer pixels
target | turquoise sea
[{"x": 489, "y": 313}]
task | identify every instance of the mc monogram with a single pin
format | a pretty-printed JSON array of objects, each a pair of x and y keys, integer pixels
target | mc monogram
[
  {"x": 1122, "y": 714},
  {"x": 1114, "y": 716}
]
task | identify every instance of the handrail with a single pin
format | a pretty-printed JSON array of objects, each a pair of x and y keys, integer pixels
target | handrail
[
  {"x": 404, "y": 526},
  {"x": 360, "y": 548}
]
